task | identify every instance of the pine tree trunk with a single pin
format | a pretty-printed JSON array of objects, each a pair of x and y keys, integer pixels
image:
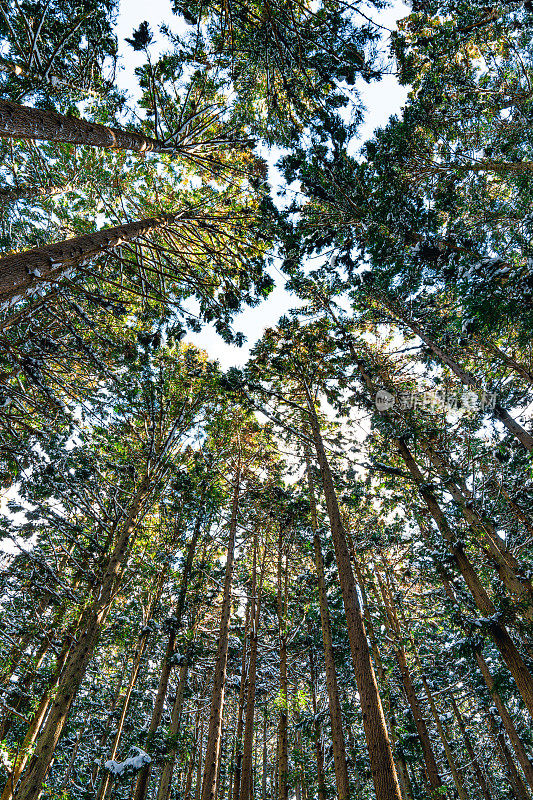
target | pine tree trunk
[
  {"x": 505, "y": 717},
  {"x": 11, "y": 194},
  {"x": 498, "y": 632},
  {"x": 236, "y": 785},
  {"x": 39, "y": 716},
  {"x": 335, "y": 713},
  {"x": 80, "y": 655},
  {"x": 321, "y": 786},
  {"x": 107, "y": 780},
  {"x": 432, "y": 771},
  {"x": 516, "y": 742},
  {"x": 30, "y": 269},
  {"x": 165, "y": 782},
  {"x": 209, "y": 782},
  {"x": 379, "y": 749},
  {"x": 143, "y": 777},
  {"x": 399, "y": 760},
  {"x": 265, "y": 758},
  {"x": 480, "y": 777},
  {"x": 506, "y": 565},
  {"x": 454, "y": 769},
  {"x": 505, "y": 757},
  {"x": 23, "y": 122},
  {"x": 246, "y": 788},
  {"x": 283, "y": 749}
]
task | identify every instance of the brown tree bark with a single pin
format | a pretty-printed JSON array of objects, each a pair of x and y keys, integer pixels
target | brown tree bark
[
  {"x": 39, "y": 715},
  {"x": 165, "y": 781},
  {"x": 513, "y": 776},
  {"x": 399, "y": 760},
  {"x": 240, "y": 708},
  {"x": 379, "y": 748},
  {"x": 143, "y": 777},
  {"x": 335, "y": 713},
  {"x": 255, "y": 618},
  {"x": 432, "y": 771},
  {"x": 209, "y": 782},
  {"x": 107, "y": 780},
  {"x": 30, "y": 269},
  {"x": 23, "y": 122},
  {"x": 319, "y": 753},
  {"x": 283, "y": 746},
  {"x": 498, "y": 632},
  {"x": 81, "y": 653},
  {"x": 480, "y": 776}
]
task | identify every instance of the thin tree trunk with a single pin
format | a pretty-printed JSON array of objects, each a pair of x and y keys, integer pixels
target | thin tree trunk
[
  {"x": 265, "y": 757},
  {"x": 504, "y": 714},
  {"x": 399, "y": 760},
  {"x": 107, "y": 780},
  {"x": 432, "y": 771},
  {"x": 321, "y": 786},
  {"x": 212, "y": 753},
  {"x": 379, "y": 748},
  {"x": 30, "y": 269},
  {"x": 23, "y": 122},
  {"x": 505, "y": 757},
  {"x": 236, "y": 784},
  {"x": 143, "y": 777},
  {"x": 165, "y": 782},
  {"x": 246, "y": 788},
  {"x": 516, "y": 742},
  {"x": 283, "y": 752},
  {"x": 480, "y": 777}
]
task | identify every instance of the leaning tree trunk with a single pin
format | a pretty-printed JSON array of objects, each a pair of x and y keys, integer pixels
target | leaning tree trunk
[
  {"x": 379, "y": 748},
  {"x": 466, "y": 378},
  {"x": 81, "y": 653},
  {"x": 209, "y": 782},
  {"x": 498, "y": 632},
  {"x": 142, "y": 642},
  {"x": 23, "y": 122},
  {"x": 23, "y": 272}
]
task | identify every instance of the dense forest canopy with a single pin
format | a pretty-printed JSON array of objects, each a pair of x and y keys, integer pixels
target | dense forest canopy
[{"x": 310, "y": 577}]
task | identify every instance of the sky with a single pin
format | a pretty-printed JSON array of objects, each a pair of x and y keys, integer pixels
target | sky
[{"x": 381, "y": 99}]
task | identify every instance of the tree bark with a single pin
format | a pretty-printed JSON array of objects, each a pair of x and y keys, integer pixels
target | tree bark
[
  {"x": 23, "y": 122},
  {"x": 379, "y": 748},
  {"x": 255, "y": 618},
  {"x": 498, "y": 632},
  {"x": 141, "y": 785},
  {"x": 480, "y": 777},
  {"x": 432, "y": 771},
  {"x": 107, "y": 780},
  {"x": 80, "y": 654},
  {"x": 335, "y": 713},
  {"x": 209, "y": 782},
  {"x": 30, "y": 269},
  {"x": 283, "y": 750}
]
